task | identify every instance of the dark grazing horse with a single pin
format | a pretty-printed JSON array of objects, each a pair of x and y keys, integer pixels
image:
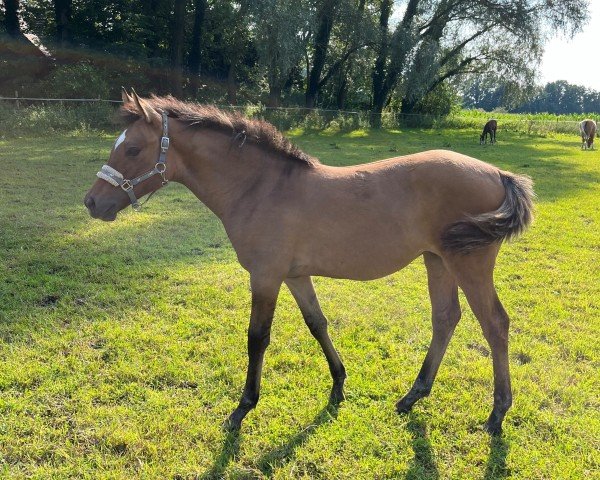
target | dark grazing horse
[
  {"x": 489, "y": 129},
  {"x": 289, "y": 217},
  {"x": 587, "y": 128}
]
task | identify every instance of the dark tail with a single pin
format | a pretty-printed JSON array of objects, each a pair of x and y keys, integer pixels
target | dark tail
[{"x": 509, "y": 221}]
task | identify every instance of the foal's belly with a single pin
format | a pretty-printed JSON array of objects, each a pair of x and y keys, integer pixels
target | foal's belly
[{"x": 354, "y": 264}]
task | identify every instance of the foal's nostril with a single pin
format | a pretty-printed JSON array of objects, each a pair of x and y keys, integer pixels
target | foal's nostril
[{"x": 88, "y": 201}]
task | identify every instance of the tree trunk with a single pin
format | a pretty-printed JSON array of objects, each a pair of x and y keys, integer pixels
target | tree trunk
[
  {"x": 386, "y": 72},
  {"x": 342, "y": 91},
  {"x": 194, "y": 60},
  {"x": 152, "y": 19},
  {"x": 274, "y": 96},
  {"x": 231, "y": 85},
  {"x": 177, "y": 36},
  {"x": 62, "y": 16},
  {"x": 379, "y": 94},
  {"x": 325, "y": 21},
  {"x": 11, "y": 19}
]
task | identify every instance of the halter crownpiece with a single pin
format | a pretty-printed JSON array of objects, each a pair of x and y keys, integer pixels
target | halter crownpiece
[{"x": 116, "y": 178}]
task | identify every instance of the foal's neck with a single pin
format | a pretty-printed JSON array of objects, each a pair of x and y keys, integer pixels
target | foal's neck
[{"x": 223, "y": 171}]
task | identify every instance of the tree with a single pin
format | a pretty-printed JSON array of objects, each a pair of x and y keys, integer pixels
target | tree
[
  {"x": 326, "y": 14},
  {"x": 199, "y": 14},
  {"x": 342, "y": 30},
  {"x": 177, "y": 37},
  {"x": 281, "y": 32},
  {"x": 437, "y": 40},
  {"x": 62, "y": 11},
  {"x": 12, "y": 23}
]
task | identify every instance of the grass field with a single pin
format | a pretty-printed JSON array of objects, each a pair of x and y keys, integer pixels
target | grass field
[{"x": 122, "y": 346}]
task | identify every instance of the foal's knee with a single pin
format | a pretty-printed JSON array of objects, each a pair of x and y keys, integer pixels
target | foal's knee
[
  {"x": 317, "y": 324},
  {"x": 447, "y": 319},
  {"x": 258, "y": 339}
]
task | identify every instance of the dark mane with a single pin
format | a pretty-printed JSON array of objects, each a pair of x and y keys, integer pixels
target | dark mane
[{"x": 195, "y": 115}]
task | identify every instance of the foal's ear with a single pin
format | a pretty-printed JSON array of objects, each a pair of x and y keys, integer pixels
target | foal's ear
[
  {"x": 125, "y": 96},
  {"x": 149, "y": 114}
]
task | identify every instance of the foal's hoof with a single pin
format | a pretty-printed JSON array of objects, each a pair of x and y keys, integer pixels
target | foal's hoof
[
  {"x": 337, "y": 392},
  {"x": 231, "y": 426},
  {"x": 337, "y": 395},
  {"x": 493, "y": 428},
  {"x": 234, "y": 422},
  {"x": 403, "y": 406}
]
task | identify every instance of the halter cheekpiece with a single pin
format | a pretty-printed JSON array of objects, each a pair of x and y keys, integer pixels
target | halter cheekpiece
[{"x": 116, "y": 178}]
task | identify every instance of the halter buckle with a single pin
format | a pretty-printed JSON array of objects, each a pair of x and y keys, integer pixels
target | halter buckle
[
  {"x": 164, "y": 143},
  {"x": 160, "y": 167},
  {"x": 126, "y": 185}
]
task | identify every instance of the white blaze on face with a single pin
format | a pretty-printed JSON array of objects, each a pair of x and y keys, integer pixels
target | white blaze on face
[{"x": 120, "y": 140}]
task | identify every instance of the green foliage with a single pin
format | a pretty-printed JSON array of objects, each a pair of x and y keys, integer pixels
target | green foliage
[
  {"x": 441, "y": 101},
  {"x": 51, "y": 118},
  {"x": 122, "y": 345},
  {"x": 81, "y": 80}
]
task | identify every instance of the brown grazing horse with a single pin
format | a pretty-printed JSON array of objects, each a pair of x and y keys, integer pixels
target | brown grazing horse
[
  {"x": 290, "y": 217},
  {"x": 587, "y": 128},
  {"x": 489, "y": 128}
]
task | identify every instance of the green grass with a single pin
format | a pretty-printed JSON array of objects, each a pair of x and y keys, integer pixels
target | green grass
[{"x": 122, "y": 346}]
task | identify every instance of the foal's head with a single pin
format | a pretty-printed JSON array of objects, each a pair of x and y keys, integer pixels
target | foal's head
[{"x": 135, "y": 152}]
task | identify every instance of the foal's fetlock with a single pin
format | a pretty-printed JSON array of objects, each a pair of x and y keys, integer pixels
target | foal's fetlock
[
  {"x": 337, "y": 392},
  {"x": 493, "y": 426},
  {"x": 234, "y": 421},
  {"x": 406, "y": 403}
]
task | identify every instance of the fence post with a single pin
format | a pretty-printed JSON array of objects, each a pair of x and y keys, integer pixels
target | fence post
[{"x": 17, "y": 103}]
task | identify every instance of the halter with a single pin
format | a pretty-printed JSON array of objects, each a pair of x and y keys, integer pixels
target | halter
[{"x": 116, "y": 178}]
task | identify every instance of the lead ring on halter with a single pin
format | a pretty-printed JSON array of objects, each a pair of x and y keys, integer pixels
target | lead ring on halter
[{"x": 114, "y": 177}]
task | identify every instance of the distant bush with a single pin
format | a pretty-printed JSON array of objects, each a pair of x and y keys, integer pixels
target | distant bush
[
  {"x": 51, "y": 118},
  {"x": 81, "y": 80}
]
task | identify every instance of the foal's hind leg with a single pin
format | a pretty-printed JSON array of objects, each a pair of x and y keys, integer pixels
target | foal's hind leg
[
  {"x": 475, "y": 277},
  {"x": 445, "y": 315},
  {"x": 304, "y": 293}
]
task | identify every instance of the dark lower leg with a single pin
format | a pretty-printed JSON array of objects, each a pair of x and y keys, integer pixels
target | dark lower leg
[
  {"x": 259, "y": 332},
  {"x": 318, "y": 328},
  {"x": 304, "y": 293},
  {"x": 497, "y": 337},
  {"x": 424, "y": 381},
  {"x": 443, "y": 292}
]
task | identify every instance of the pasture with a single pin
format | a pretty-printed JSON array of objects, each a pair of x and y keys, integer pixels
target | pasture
[{"x": 123, "y": 345}]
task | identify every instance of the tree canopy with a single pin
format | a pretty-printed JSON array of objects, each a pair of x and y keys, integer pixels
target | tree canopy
[{"x": 411, "y": 56}]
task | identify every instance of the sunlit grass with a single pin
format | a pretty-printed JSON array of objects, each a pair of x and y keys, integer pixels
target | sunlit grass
[{"x": 122, "y": 345}]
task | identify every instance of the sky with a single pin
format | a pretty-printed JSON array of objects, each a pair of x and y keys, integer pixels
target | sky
[{"x": 575, "y": 60}]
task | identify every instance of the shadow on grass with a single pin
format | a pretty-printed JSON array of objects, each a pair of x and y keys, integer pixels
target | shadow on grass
[
  {"x": 496, "y": 464},
  {"x": 422, "y": 466},
  {"x": 285, "y": 452},
  {"x": 272, "y": 459},
  {"x": 230, "y": 448}
]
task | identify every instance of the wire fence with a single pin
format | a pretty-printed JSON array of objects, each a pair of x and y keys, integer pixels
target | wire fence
[{"x": 60, "y": 114}]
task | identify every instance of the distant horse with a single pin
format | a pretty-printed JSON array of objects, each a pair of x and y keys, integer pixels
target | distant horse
[
  {"x": 489, "y": 128},
  {"x": 289, "y": 217},
  {"x": 587, "y": 128}
]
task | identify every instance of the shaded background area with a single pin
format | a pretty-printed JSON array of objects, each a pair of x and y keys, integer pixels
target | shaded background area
[{"x": 379, "y": 56}]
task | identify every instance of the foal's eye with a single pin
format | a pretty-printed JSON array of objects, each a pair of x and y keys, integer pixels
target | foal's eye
[{"x": 132, "y": 151}]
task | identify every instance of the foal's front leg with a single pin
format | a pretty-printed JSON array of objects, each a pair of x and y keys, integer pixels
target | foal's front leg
[
  {"x": 264, "y": 298},
  {"x": 303, "y": 291}
]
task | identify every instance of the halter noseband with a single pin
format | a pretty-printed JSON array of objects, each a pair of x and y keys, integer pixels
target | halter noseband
[{"x": 116, "y": 178}]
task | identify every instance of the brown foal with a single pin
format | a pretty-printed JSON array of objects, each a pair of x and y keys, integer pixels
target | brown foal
[
  {"x": 488, "y": 129},
  {"x": 290, "y": 217},
  {"x": 587, "y": 129}
]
